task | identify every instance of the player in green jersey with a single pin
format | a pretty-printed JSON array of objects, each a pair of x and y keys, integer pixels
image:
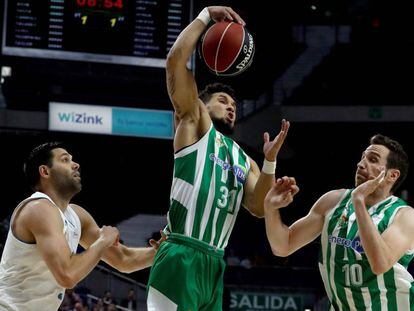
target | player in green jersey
[
  {"x": 367, "y": 233},
  {"x": 212, "y": 178}
]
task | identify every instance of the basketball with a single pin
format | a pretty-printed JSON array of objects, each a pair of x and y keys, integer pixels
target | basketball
[{"x": 227, "y": 48}]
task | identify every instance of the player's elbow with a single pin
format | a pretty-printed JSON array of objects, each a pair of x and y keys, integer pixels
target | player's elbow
[
  {"x": 280, "y": 248},
  {"x": 65, "y": 280},
  {"x": 255, "y": 209},
  {"x": 125, "y": 269},
  {"x": 379, "y": 268},
  {"x": 131, "y": 267},
  {"x": 380, "y": 265},
  {"x": 258, "y": 214},
  {"x": 280, "y": 252}
]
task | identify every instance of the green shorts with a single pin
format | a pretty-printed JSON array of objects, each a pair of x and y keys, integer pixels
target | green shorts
[{"x": 187, "y": 275}]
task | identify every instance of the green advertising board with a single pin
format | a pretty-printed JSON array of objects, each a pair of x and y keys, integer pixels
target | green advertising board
[{"x": 259, "y": 301}]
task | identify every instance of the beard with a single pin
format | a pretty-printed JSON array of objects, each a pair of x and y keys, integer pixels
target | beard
[
  {"x": 67, "y": 185},
  {"x": 222, "y": 126}
]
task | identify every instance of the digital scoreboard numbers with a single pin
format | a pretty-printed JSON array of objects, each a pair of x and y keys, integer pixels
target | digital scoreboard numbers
[
  {"x": 134, "y": 32},
  {"x": 100, "y": 26},
  {"x": 94, "y": 6}
]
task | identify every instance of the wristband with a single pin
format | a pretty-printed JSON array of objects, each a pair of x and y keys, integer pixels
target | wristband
[
  {"x": 269, "y": 167},
  {"x": 204, "y": 16}
]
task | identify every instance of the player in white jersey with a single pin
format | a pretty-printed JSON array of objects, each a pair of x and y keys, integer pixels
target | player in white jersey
[
  {"x": 39, "y": 259},
  {"x": 367, "y": 234},
  {"x": 213, "y": 178}
]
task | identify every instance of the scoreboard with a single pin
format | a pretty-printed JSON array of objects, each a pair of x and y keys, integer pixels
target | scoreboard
[{"x": 131, "y": 32}]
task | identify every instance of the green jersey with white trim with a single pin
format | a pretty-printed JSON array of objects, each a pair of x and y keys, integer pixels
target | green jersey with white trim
[
  {"x": 345, "y": 270},
  {"x": 207, "y": 188}
]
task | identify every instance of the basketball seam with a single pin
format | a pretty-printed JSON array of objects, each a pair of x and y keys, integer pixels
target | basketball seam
[
  {"x": 218, "y": 47},
  {"x": 238, "y": 53}
]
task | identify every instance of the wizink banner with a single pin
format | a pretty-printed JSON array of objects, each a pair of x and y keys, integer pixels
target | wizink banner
[
  {"x": 113, "y": 121},
  {"x": 80, "y": 118}
]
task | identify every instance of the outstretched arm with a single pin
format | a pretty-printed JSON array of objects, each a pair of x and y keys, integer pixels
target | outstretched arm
[
  {"x": 382, "y": 250},
  {"x": 123, "y": 258},
  {"x": 192, "y": 118},
  {"x": 286, "y": 240},
  {"x": 259, "y": 182},
  {"x": 181, "y": 85},
  {"x": 130, "y": 259}
]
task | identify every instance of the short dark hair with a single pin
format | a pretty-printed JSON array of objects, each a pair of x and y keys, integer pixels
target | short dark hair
[
  {"x": 210, "y": 89},
  {"x": 397, "y": 158},
  {"x": 41, "y": 155}
]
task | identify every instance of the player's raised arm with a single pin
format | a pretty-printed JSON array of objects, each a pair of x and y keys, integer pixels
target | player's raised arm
[
  {"x": 181, "y": 85},
  {"x": 259, "y": 182},
  {"x": 384, "y": 250}
]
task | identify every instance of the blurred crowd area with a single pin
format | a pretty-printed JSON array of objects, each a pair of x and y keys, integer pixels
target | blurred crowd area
[{"x": 80, "y": 299}]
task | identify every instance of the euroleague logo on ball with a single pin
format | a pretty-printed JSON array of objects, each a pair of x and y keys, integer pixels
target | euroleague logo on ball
[{"x": 227, "y": 48}]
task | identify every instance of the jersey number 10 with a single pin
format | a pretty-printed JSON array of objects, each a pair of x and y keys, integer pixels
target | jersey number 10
[{"x": 353, "y": 274}]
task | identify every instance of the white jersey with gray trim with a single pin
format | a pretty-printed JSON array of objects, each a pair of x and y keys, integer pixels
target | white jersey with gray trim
[
  {"x": 26, "y": 283},
  {"x": 207, "y": 188},
  {"x": 345, "y": 270}
]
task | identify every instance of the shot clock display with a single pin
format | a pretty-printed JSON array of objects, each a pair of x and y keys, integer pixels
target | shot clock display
[{"x": 134, "y": 32}]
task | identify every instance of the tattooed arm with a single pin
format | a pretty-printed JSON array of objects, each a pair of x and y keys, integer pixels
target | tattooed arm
[
  {"x": 182, "y": 88},
  {"x": 181, "y": 85},
  {"x": 192, "y": 119}
]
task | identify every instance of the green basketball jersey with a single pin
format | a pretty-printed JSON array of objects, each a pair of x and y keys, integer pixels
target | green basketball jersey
[
  {"x": 345, "y": 270},
  {"x": 207, "y": 188}
]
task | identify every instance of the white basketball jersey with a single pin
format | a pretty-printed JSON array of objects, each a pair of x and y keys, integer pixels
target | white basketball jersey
[{"x": 26, "y": 283}]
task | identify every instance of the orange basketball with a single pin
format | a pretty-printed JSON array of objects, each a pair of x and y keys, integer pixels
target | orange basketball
[{"x": 227, "y": 48}]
